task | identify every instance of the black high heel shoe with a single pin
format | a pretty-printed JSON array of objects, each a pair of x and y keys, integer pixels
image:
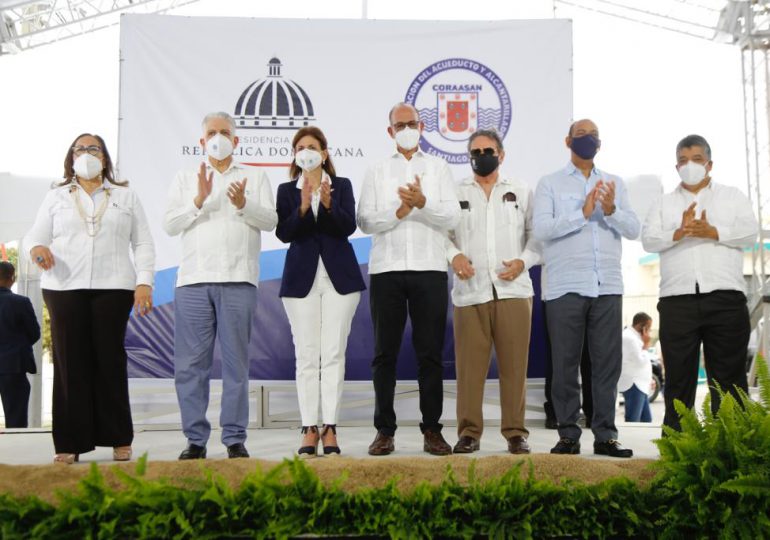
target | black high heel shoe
[
  {"x": 330, "y": 450},
  {"x": 309, "y": 451}
]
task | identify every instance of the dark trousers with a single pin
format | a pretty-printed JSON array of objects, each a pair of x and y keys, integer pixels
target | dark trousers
[
  {"x": 587, "y": 402},
  {"x": 573, "y": 319},
  {"x": 14, "y": 391},
  {"x": 720, "y": 321},
  {"x": 90, "y": 379},
  {"x": 424, "y": 296}
]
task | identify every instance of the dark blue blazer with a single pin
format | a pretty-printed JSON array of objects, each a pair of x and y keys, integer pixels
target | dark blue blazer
[
  {"x": 19, "y": 330},
  {"x": 326, "y": 237}
]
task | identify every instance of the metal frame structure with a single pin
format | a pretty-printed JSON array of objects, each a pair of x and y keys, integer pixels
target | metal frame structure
[{"x": 26, "y": 25}]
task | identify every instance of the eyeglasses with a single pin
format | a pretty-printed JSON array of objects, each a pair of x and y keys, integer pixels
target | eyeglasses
[
  {"x": 398, "y": 126},
  {"x": 477, "y": 152},
  {"x": 93, "y": 150}
]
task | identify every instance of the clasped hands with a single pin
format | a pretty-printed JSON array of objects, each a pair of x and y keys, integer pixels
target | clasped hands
[
  {"x": 411, "y": 197},
  {"x": 603, "y": 193},
  {"x": 695, "y": 228},
  {"x": 463, "y": 268},
  {"x": 306, "y": 196}
]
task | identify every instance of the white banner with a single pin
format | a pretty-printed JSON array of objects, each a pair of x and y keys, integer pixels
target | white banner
[{"x": 342, "y": 76}]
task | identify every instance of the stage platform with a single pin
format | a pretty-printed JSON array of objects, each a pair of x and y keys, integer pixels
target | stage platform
[{"x": 274, "y": 425}]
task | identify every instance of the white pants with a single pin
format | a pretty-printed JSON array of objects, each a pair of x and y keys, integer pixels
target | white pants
[{"x": 320, "y": 324}]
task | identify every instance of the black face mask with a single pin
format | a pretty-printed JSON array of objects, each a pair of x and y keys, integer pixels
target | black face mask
[{"x": 485, "y": 164}]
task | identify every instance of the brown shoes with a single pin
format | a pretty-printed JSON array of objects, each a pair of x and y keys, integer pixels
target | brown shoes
[
  {"x": 435, "y": 444},
  {"x": 382, "y": 445},
  {"x": 518, "y": 445},
  {"x": 466, "y": 445}
]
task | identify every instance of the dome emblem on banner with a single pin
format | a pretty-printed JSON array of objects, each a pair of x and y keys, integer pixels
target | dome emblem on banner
[
  {"x": 273, "y": 103},
  {"x": 455, "y": 97}
]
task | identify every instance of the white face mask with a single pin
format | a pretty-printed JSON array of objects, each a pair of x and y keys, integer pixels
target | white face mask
[
  {"x": 87, "y": 166},
  {"x": 408, "y": 138},
  {"x": 308, "y": 159},
  {"x": 219, "y": 147},
  {"x": 692, "y": 173}
]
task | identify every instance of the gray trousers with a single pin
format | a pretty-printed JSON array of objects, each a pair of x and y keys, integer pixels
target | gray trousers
[
  {"x": 570, "y": 318},
  {"x": 203, "y": 313}
]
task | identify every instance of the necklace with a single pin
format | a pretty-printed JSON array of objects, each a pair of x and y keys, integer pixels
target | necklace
[{"x": 92, "y": 223}]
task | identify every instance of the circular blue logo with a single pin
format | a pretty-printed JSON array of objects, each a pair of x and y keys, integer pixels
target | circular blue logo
[{"x": 455, "y": 97}]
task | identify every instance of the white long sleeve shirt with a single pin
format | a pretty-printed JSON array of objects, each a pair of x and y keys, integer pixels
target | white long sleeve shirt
[
  {"x": 637, "y": 368},
  {"x": 490, "y": 232},
  {"x": 416, "y": 242},
  {"x": 101, "y": 261},
  {"x": 711, "y": 264},
  {"x": 220, "y": 244}
]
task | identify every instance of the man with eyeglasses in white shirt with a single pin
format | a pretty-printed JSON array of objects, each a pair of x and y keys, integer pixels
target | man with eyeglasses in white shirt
[
  {"x": 700, "y": 231},
  {"x": 220, "y": 211},
  {"x": 491, "y": 251},
  {"x": 408, "y": 204}
]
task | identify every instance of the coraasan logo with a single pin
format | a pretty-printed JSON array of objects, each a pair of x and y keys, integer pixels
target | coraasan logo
[{"x": 455, "y": 97}]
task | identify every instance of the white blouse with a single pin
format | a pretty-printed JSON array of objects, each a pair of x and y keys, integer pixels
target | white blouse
[{"x": 95, "y": 255}]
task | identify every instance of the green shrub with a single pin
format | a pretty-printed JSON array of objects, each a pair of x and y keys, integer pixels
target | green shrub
[
  {"x": 716, "y": 471},
  {"x": 713, "y": 481}
]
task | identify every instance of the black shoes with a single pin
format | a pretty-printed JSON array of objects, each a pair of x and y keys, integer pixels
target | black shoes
[
  {"x": 612, "y": 448},
  {"x": 193, "y": 451},
  {"x": 566, "y": 446},
  {"x": 237, "y": 450}
]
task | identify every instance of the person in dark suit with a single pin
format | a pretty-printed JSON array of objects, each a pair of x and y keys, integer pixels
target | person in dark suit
[
  {"x": 321, "y": 284},
  {"x": 19, "y": 330}
]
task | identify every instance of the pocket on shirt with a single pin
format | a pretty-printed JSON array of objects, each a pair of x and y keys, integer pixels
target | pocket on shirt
[
  {"x": 569, "y": 202},
  {"x": 119, "y": 218},
  {"x": 64, "y": 218}
]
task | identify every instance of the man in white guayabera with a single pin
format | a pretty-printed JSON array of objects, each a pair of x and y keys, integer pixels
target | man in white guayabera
[{"x": 220, "y": 211}]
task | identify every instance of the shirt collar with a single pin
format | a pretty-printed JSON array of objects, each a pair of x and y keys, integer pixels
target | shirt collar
[
  {"x": 76, "y": 185},
  {"x": 301, "y": 180},
  {"x": 571, "y": 169},
  {"x": 398, "y": 154},
  {"x": 684, "y": 191},
  {"x": 233, "y": 165},
  {"x": 470, "y": 180}
]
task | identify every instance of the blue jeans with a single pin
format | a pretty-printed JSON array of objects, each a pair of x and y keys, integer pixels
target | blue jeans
[{"x": 637, "y": 405}]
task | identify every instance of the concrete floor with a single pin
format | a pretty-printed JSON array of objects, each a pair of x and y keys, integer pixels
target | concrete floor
[
  {"x": 158, "y": 432},
  {"x": 35, "y": 446}
]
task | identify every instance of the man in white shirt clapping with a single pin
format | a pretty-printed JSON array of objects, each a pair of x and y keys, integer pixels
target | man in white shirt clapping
[
  {"x": 408, "y": 204},
  {"x": 700, "y": 230},
  {"x": 220, "y": 211},
  {"x": 491, "y": 252}
]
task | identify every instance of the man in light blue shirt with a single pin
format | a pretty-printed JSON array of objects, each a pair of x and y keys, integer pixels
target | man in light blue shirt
[{"x": 580, "y": 215}]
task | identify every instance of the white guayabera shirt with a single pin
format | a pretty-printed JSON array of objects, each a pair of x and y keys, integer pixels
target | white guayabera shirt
[
  {"x": 713, "y": 265},
  {"x": 220, "y": 244},
  {"x": 415, "y": 242}
]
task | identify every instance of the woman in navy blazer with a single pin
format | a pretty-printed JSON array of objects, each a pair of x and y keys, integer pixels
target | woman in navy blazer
[{"x": 321, "y": 283}]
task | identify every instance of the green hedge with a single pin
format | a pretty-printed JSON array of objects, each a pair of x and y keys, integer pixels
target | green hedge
[{"x": 714, "y": 481}]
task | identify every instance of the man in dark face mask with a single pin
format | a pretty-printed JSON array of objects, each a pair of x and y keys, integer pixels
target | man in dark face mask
[
  {"x": 580, "y": 215},
  {"x": 490, "y": 251}
]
